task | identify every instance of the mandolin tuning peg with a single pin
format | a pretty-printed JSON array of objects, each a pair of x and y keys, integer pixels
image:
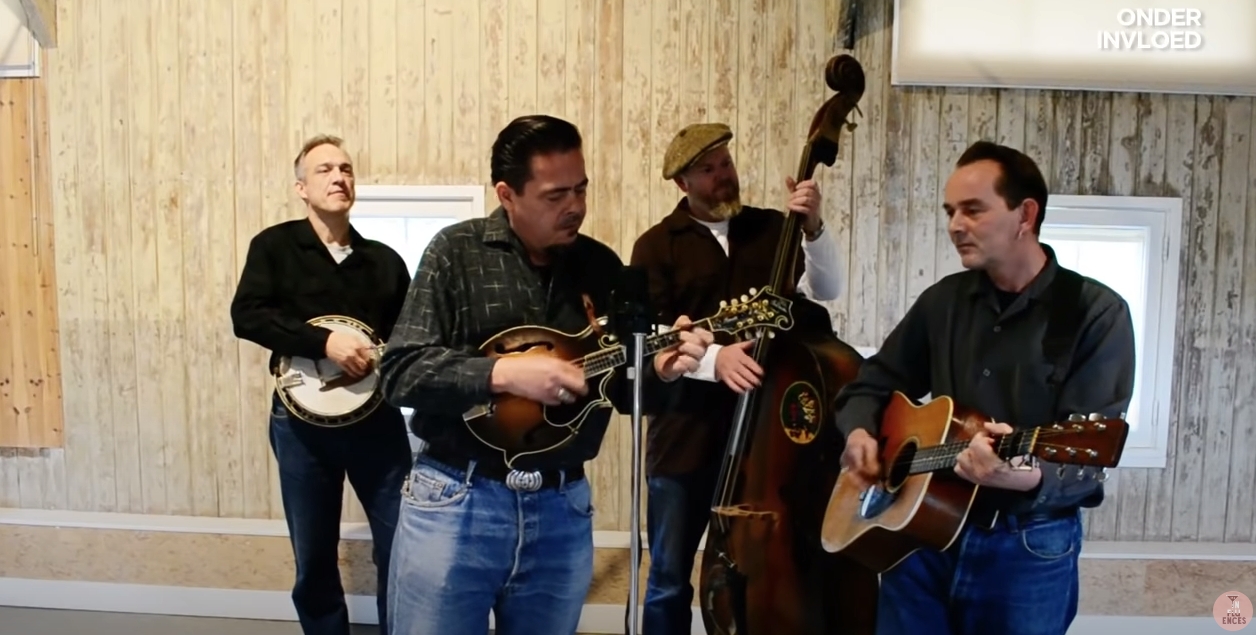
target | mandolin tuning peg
[
  {"x": 723, "y": 304},
  {"x": 745, "y": 298},
  {"x": 753, "y": 291}
]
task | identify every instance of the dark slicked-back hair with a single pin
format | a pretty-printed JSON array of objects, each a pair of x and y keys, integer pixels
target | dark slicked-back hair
[
  {"x": 1020, "y": 178},
  {"x": 525, "y": 138}
]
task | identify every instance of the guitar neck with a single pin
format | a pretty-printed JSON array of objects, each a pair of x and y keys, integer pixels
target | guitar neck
[
  {"x": 943, "y": 457},
  {"x": 616, "y": 356}
]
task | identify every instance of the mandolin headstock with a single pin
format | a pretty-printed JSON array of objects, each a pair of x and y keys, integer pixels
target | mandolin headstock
[
  {"x": 760, "y": 309},
  {"x": 1084, "y": 440}
]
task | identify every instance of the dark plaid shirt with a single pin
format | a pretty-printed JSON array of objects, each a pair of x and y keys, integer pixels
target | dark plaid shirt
[
  {"x": 474, "y": 281},
  {"x": 965, "y": 339}
]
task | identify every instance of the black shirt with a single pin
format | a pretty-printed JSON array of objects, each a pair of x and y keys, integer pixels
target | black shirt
[
  {"x": 290, "y": 277},
  {"x": 957, "y": 341},
  {"x": 473, "y": 282}
]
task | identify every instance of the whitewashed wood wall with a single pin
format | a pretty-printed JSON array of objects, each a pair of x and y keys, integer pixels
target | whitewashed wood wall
[{"x": 173, "y": 124}]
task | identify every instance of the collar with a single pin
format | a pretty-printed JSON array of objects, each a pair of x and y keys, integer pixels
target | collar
[
  {"x": 497, "y": 229},
  {"x": 307, "y": 237},
  {"x": 980, "y": 284}
]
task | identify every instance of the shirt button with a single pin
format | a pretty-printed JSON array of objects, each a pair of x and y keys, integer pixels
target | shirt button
[
  {"x": 997, "y": 329},
  {"x": 986, "y": 372}
]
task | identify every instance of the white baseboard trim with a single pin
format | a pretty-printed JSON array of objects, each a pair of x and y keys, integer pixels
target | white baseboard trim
[
  {"x": 1099, "y": 550},
  {"x": 276, "y": 605}
]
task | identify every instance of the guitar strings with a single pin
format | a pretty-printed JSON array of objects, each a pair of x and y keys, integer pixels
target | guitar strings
[{"x": 941, "y": 454}]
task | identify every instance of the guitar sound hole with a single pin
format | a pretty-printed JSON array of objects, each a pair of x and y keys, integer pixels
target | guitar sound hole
[{"x": 900, "y": 469}]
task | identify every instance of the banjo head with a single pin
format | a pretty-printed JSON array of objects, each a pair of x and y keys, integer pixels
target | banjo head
[{"x": 313, "y": 389}]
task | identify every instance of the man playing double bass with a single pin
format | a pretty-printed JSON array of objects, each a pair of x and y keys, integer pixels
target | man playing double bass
[
  {"x": 978, "y": 336},
  {"x": 710, "y": 247}
]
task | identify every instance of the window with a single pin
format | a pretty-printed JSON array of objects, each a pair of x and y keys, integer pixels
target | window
[
  {"x": 406, "y": 217},
  {"x": 19, "y": 50},
  {"x": 1130, "y": 244}
]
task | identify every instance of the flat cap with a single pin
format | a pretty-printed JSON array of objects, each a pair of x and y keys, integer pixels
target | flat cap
[{"x": 691, "y": 143}]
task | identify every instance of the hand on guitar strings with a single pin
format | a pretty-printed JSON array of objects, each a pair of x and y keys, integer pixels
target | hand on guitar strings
[
  {"x": 736, "y": 369},
  {"x": 542, "y": 378},
  {"x": 355, "y": 357},
  {"x": 683, "y": 357},
  {"x": 805, "y": 199},
  {"x": 860, "y": 458},
  {"x": 979, "y": 464}
]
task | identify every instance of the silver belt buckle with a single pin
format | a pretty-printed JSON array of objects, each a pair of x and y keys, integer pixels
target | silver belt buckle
[{"x": 524, "y": 481}]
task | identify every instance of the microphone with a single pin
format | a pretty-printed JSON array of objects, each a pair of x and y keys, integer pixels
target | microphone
[{"x": 630, "y": 312}]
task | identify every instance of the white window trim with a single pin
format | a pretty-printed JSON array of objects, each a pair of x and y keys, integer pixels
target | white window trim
[
  {"x": 28, "y": 70},
  {"x": 473, "y": 194},
  {"x": 1162, "y": 216}
]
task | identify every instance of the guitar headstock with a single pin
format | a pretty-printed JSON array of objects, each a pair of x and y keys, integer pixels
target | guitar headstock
[
  {"x": 1084, "y": 440},
  {"x": 759, "y": 309}
]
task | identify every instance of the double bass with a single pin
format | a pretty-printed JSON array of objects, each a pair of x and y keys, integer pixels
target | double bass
[{"x": 764, "y": 570}]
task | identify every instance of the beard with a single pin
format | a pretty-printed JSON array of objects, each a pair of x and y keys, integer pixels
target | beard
[{"x": 724, "y": 210}]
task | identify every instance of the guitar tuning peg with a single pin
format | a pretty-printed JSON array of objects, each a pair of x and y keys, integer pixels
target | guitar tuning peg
[
  {"x": 1059, "y": 472},
  {"x": 1122, "y": 416},
  {"x": 1073, "y": 418},
  {"x": 1095, "y": 416},
  {"x": 1081, "y": 473},
  {"x": 1102, "y": 475}
]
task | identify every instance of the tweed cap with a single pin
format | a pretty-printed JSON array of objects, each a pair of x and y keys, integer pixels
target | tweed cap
[{"x": 691, "y": 143}]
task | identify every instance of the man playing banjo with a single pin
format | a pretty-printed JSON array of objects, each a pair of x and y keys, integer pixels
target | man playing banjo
[{"x": 297, "y": 271}]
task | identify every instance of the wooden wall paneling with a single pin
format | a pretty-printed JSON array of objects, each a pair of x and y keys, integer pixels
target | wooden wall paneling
[
  {"x": 1239, "y": 514},
  {"x": 1219, "y": 469}
]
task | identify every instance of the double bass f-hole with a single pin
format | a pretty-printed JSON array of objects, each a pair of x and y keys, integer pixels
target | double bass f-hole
[{"x": 764, "y": 570}]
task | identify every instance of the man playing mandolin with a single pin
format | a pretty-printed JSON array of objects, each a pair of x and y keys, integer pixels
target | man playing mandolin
[
  {"x": 709, "y": 248},
  {"x": 978, "y": 337},
  {"x": 296, "y": 271},
  {"x": 477, "y": 535}
]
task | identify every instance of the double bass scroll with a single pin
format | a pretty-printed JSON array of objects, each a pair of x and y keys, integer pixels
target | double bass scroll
[{"x": 764, "y": 570}]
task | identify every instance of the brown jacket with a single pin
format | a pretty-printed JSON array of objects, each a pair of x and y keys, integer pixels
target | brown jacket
[{"x": 690, "y": 275}]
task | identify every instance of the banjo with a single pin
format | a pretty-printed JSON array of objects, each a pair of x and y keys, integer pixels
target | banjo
[{"x": 318, "y": 391}]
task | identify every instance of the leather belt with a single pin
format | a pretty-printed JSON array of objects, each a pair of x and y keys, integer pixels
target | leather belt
[{"x": 519, "y": 480}]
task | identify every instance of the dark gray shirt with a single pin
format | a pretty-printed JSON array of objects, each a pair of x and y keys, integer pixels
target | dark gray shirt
[
  {"x": 473, "y": 282},
  {"x": 959, "y": 340}
]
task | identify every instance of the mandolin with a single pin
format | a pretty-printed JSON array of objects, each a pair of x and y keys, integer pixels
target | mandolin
[
  {"x": 518, "y": 426},
  {"x": 921, "y": 503}
]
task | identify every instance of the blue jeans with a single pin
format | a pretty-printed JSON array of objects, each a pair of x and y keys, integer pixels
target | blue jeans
[
  {"x": 1017, "y": 578},
  {"x": 677, "y": 511},
  {"x": 468, "y": 545},
  {"x": 313, "y": 463}
]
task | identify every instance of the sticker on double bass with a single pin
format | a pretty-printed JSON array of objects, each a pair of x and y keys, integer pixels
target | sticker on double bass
[{"x": 800, "y": 412}]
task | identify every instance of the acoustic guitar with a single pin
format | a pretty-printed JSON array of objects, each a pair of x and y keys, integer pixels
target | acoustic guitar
[
  {"x": 518, "y": 426},
  {"x": 319, "y": 392},
  {"x": 920, "y": 503}
]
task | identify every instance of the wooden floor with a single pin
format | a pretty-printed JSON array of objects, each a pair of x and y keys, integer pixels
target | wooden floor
[{"x": 20, "y": 621}]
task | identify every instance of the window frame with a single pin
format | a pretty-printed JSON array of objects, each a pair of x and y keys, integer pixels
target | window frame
[
  {"x": 1161, "y": 217},
  {"x": 30, "y": 69}
]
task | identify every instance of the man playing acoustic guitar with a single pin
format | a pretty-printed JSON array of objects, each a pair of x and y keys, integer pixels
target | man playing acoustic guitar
[
  {"x": 477, "y": 536},
  {"x": 978, "y": 337},
  {"x": 296, "y": 271}
]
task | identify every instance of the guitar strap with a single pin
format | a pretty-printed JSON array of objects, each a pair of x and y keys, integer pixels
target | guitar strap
[{"x": 1064, "y": 320}]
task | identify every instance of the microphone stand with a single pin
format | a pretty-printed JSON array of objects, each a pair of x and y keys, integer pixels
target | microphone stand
[{"x": 633, "y": 318}]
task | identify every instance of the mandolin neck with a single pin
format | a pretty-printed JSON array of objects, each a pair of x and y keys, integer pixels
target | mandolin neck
[
  {"x": 943, "y": 457},
  {"x": 616, "y": 356}
]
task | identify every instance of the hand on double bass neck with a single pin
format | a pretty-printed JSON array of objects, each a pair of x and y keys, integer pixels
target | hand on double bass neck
[
  {"x": 736, "y": 369},
  {"x": 805, "y": 199},
  {"x": 542, "y": 378},
  {"x": 683, "y": 357}
]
